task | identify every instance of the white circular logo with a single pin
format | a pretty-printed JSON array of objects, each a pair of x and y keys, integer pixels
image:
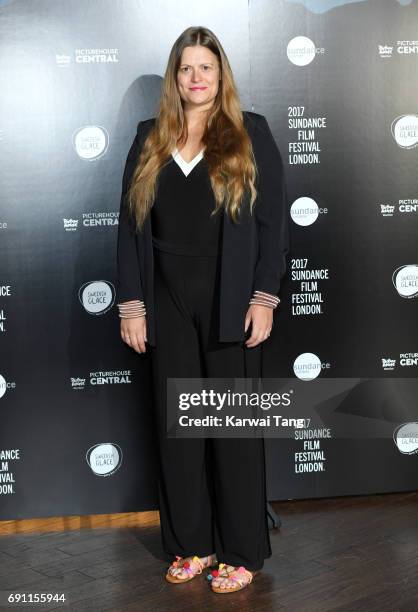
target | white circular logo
[
  {"x": 406, "y": 438},
  {"x": 304, "y": 211},
  {"x": 307, "y": 366},
  {"x": 3, "y": 385},
  {"x": 405, "y": 131},
  {"x": 104, "y": 459},
  {"x": 301, "y": 50},
  {"x": 91, "y": 142},
  {"x": 405, "y": 280},
  {"x": 97, "y": 297}
]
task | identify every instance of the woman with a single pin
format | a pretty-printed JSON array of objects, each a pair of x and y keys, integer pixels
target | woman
[{"x": 202, "y": 247}]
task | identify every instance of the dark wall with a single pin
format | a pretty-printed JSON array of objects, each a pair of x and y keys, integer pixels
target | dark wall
[{"x": 76, "y": 429}]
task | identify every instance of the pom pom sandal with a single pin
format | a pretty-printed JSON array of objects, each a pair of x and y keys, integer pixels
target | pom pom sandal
[
  {"x": 239, "y": 575},
  {"x": 191, "y": 566}
]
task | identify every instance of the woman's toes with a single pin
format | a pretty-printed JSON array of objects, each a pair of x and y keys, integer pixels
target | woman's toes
[{"x": 220, "y": 582}]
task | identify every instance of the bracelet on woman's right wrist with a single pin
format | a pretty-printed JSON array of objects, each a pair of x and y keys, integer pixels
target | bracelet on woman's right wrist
[
  {"x": 132, "y": 309},
  {"x": 265, "y": 299}
]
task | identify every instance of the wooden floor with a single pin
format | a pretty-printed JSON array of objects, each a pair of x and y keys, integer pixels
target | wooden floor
[{"x": 345, "y": 554}]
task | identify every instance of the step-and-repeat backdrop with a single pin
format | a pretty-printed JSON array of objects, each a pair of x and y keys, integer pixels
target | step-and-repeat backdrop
[{"x": 337, "y": 81}]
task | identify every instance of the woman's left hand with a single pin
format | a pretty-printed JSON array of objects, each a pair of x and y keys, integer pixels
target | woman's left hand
[{"x": 261, "y": 318}]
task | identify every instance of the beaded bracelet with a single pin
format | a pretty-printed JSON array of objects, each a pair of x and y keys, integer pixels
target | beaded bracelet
[
  {"x": 129, "y": 310},
  {"x": 265, "y": 299}
]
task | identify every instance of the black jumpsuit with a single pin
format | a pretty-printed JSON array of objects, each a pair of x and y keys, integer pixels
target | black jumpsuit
[{"x": 212, "y": 492}]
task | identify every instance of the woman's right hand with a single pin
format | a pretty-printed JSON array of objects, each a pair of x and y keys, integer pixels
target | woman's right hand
[{"x": 134, "y": 333}]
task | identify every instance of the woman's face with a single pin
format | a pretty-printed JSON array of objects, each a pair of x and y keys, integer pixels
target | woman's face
[{"x": 198, "y": 77}]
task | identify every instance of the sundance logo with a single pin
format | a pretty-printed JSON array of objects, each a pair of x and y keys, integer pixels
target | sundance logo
[
  {"x": 405, "y": 280},
  {"x": 301, "y": 51},
  {"x": 304, "y": 211},
  {"x": 97, "y": 297},
  {"x": 307, "y": 366},
  {"x": 406, "y": 438},
  {"x": 104, "y": 459},
  {"x": 91, "y": 142},
  {"x": 405, "y": 131},
  {"x": 5, "y": 385}
]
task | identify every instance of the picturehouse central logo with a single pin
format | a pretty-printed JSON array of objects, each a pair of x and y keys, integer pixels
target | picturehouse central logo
[
  {"x": 97, "y": 297},
  {"x": 91, "y": 142}
]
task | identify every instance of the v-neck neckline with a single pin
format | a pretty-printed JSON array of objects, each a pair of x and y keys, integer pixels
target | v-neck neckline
[{"x": 185, "y": 166}]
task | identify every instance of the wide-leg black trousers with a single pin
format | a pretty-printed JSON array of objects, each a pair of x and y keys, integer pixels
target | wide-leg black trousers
[{"x": 212, "y": 492}]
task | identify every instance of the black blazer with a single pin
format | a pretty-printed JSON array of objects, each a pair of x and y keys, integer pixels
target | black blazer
[{"x": 253, "y": 253}]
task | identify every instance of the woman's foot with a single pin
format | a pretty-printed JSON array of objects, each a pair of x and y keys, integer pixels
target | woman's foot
[
  {"x": 228, "y": 578},
  {"x": 186, "y": 568}
]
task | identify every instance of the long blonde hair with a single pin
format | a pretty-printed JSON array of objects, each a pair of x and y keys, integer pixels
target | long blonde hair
[{"x": 228, "y": 149}]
